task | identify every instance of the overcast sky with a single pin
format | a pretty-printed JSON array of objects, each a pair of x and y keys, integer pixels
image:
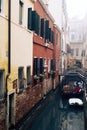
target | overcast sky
[{"x": 76, "y": 8}]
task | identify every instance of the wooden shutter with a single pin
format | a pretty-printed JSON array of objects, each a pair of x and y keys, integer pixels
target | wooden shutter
[
  {"x": 52, "y": 37},
  {"x": 46, "y": 29},
  {"x": 30, "y": 18},
  {"x": 0, "y": 5},
  {"x": 33, "y": 20},
  {"x": 42, "y": 28},
  {"x": 50, "y": 34},
  {"x": 36, "y": 66},
  {"x": 52, "y": 64},
  {"x": 37, "y": 23},
  {"x": 41, "y": 65}
]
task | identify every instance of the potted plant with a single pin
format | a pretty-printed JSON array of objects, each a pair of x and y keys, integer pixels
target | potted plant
[
  {"x": 53, "y": 73},
  {"x": 42, "y": 76},
  {"x": 36, "y": 78}
]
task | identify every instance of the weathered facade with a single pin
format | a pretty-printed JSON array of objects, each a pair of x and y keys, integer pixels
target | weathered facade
[
  {"x": 46, "y": 49},
  {"x": 27, "y": 51},
  {"x": 16, "y": 43}
]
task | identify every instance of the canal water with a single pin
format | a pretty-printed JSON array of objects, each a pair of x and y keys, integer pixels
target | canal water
[{"x": 58, "y": 116}]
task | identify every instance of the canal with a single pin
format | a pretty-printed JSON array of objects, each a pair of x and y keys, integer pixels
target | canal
[{"x": 57, "y": 115}]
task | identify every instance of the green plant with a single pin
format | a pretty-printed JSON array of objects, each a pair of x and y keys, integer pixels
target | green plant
[
  {"x": 36, "y": 77},
  {"x": 42, "y": 76}
]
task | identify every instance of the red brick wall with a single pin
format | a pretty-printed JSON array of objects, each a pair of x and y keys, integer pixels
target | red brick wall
[
  {"x": 26, "y": 100},
  {"x": 2, "y": 116}
]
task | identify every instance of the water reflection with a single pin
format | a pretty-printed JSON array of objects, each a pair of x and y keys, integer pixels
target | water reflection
[{"x": 57, "y": 116}]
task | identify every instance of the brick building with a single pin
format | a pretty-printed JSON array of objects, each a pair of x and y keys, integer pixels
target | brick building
[{"x": 29, "y": 57}]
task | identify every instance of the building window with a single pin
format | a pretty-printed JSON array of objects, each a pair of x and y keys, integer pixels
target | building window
[
  {"x": 42, "y": 28},
  {"x": 72, "y": 52},
  {"x": 57, "y": 38},
  {"x": 0, "y": 5},
  {"x": 48, "y": 65},
  {"x": 77, "y": 52},
  {"x": 47, "y": 30},
  {"x": 20, "y": 12},
  {"x": 28, "y": 75},
  {"x": 36, "y": 66},
  {"x": 1, "y": 85},
  {"x": 52, "y": 64},
  {"x": 72, "y": 37},
  {"x": 50, "y": 33},
  {"x": 83, "y": 53},
  {"x": 52, "y": 37},
  {"x": 35, "y": 22},
  {"x": 21, "y": 78},
  {"x": 30, "y": 18},
  {"x": 41, "y": 65}
]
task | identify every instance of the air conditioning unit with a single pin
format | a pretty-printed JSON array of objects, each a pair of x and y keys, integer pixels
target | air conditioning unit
[{"x": 33, "y": 0}]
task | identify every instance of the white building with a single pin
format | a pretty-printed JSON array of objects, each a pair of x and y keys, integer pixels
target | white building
[{"x": 77, "y": 37}]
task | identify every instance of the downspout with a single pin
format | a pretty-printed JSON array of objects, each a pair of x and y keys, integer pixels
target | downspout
[
  {"x": 9, "y": 59},
  {"x": 9, "y": 41}
]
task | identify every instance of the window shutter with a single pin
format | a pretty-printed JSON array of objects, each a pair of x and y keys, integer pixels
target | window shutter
[
  {"x": 42, "y": 28},
  {"x": 30, "y": 18},
  {"x": 28, "y": 75},
  {"x": 41, "y": 65},
  {"x": 20, "y": 77},
  {"x": 37, "y": 23},
  {"x": 36, "y": 66},
  {"x": 46, "y": 29},
  {"x": 52, "y": 64},
  {"x": 50, "y": 34},
  {"x": 52, "y": 37},
  {"x": 20, "y": 12},
  {"x": 0, "y": 5},
  {"x": 34, "y": 20}
]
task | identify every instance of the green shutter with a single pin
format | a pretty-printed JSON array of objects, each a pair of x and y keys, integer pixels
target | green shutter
[
  {"x": 52, "y": 37},
  {"x": 20, "y": 12},
  {"x": 36, "y": 66},
  {"x": 0, "y": 5},
  {"x": 46, "y": 29},
  {"x": 50, "y": 34},
  {"x": 37, "y": 23},
  {"x": 42, "y": 28},
  {"x": 30, "y": 18},
  {"x": 41, "y": 65},
  {"x": 33, "y": 20},
  {"x": 52, "y": 64}
]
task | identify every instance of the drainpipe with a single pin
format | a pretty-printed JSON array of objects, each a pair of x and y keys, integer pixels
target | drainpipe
[
  {"x": 9, "y": 42},
  {"x": 9, "y": 37},
  {"x": 9, "y": 59}
]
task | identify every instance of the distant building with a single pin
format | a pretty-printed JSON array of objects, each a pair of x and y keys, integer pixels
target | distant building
[
  {"x": 77, "y": 40},
  {"x": 59, "y": 11}
]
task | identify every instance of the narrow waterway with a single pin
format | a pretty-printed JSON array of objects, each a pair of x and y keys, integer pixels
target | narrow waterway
[{"x": 58, "y": 116}]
